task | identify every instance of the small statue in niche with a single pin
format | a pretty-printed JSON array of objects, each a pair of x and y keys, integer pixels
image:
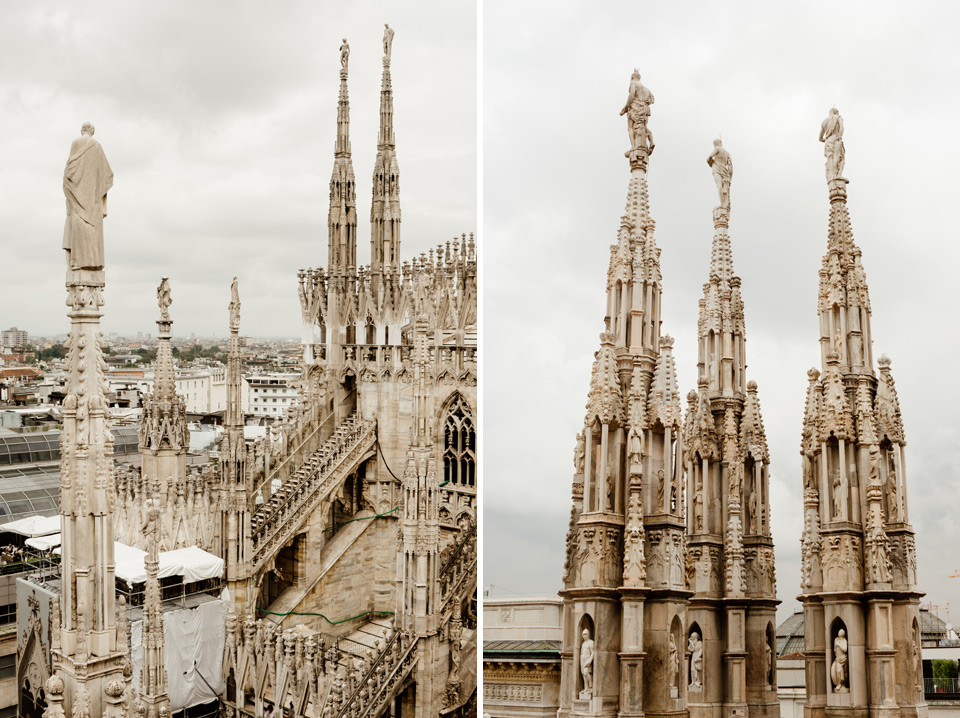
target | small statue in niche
[
  {"x": 674, "y": 663},
  {"x": 893, "y": 502},
  {"x": 838, "y": 669},
  {"x": 698, "y": 508},
  {"x": 837, "y": 493},
  {"x": 660, "y": 490},
  {"x": 695, "y": 647},
  {"x": 586, "y": 664}
]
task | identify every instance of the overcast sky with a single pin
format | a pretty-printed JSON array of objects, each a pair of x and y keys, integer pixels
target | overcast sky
[
  {"x": 219, "y": 121},
  {"x": 764, "y": 76}
]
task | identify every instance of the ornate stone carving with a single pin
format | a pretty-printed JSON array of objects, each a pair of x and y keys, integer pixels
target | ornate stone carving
[{"x": 634, "y": 562}]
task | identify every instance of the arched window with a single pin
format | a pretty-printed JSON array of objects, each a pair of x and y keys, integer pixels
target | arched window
[{"x": 459, "y": 444}]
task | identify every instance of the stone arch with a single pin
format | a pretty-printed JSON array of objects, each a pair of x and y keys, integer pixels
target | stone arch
[{"x": 459, "y": 442}]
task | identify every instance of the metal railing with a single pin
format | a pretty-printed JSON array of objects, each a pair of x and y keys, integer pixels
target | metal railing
[{"x": 941, "y": 687}]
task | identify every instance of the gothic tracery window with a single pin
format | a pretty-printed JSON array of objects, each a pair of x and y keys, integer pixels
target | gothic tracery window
[{"x": 459, "y": 444}]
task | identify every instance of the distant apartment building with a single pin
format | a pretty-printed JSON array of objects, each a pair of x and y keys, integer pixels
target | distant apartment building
[
  {"x": 12, "y": 337},
  {"x": 205, "y": 390},
  {"x": 271, "y": 394}
]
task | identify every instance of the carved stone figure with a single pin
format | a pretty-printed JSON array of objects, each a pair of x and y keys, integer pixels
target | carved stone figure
[
  {"x": 893, "y": 502},
  {"x": 722, "y": 165},
  {"x": 698, "y": 508},
  {"x": 387, "y": 41},
  {"x": 586, "y": 664},
  {"x": 837, "y": 491},
  {"x": 86, "y": 180},
  {"x": 752, "y": 512},
  {"x": 163, "y": 299},
  {"x": 635, "y": 451},
  {"x": 344, "y": 55},
  {"x": 637, "y": 109},
  {"x": 674, "y": 664},
  {"x": 831, "y": 134},
  {"x": 839, "y": 673},
  {"x": 578, "y": 455},
  {"x": 660, "y": 490},
  {"x": 234, "y": 306},
  {"x": 768, "y": 662},
  {"x": 695, "y": 647}
]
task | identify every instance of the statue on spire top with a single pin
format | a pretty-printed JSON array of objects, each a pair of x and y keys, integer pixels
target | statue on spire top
[
  {"x": 637, "y": 110},
  {"x": 831, "y": 135},
  {"x": 387, "y": 42},
  {"x": 722, "y": 165},
  {"x": 164, "y": 300},
  {"x": 344, "y": 55}
]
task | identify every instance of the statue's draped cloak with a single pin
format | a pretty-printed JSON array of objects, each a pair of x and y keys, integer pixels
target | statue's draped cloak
[{"x": 86, "y": 180}]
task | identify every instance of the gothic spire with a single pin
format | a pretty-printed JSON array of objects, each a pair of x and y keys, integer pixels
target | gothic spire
[
  {"x": 163, "y": 423},
  {"x": 721, "y": 329},
  {"x": 385, "y": 208},
  {"x": 857, "y": 538},
  {"x": 342, "y": 217}
]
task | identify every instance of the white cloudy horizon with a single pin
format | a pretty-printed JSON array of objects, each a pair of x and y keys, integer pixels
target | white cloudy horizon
[{"x": 219, "y": 122}]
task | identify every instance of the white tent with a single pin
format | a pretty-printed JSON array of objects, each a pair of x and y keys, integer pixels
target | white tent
[
  {"x": 198, "y": 565},
  {"x": 34, "y": 525},
  {"x": 193, "y": 563},
  {"x": 44, "y": 543}
]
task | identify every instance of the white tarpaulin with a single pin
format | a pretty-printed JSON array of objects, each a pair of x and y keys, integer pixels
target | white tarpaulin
[
  {"x": 197, "y": 564},
  {"x": 193, "y": 647},
  {"x": 44, "y": 543},
  {"x": 193, "y": 563},
  {"x": 34, "y": 526}
]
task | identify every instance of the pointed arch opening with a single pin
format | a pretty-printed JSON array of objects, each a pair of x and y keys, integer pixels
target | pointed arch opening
[{"x": 459, "y": 444}]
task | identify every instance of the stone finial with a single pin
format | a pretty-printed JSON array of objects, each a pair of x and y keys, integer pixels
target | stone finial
[
  {"x": 813, "y": 374},
  {"x": 666, "y": 341},
  {"x": 751, "y": 386},
  {"x": 884, "y": 362}
]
